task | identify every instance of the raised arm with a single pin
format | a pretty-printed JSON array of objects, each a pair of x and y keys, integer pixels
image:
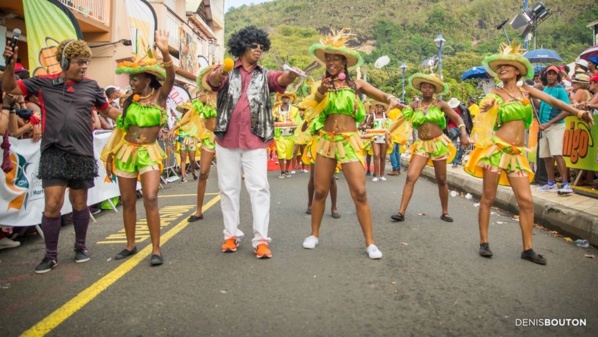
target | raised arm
[
  {"x": 557, "y": 103},
  {"x": 9, "y": 84},
  {"x": 379, "y": 95},
  {"x": 162, "y": 44},
  {"x": 288, "y": 77}
]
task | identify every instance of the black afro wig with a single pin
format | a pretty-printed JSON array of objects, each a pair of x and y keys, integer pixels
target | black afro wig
[{"x": 241, "y": 40}]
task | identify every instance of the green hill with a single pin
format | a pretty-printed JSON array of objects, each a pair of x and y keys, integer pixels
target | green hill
[{"x": 405, "y": 31}]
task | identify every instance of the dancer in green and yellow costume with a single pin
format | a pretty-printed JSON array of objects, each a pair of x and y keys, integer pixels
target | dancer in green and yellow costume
[
  {"x": 381, "y": 144},
  {"x": 187, "y": 130},
  {"x": 283, "y": 112},
  {"x": 300, "y": 139},
  {"x": 368, "y": 123},
  {"x": 133, "y": 153},
  {"x": 433, "y": 147},
  {"x": 337, "y": 105},
  {"x": 499, "y": 156},
  {"x": 205, "y": 105}
]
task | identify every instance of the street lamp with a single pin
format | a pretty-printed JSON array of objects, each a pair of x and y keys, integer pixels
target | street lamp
[
  {"x": 439, "y": 42},
  {"x": 403, "y": 67}
]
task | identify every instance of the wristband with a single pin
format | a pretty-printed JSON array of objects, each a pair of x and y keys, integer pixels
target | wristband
[
  {"x": 166, "y": 64},
  {"x": 389, "y": 97},
  {"x": 460, "y": 125},
  {"x": 34, "y": 120},
  {"x": 5, "y": 107}
]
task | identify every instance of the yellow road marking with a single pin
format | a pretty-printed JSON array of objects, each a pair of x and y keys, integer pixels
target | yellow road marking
[
  {"x": 68, "y": 309},
  {"x": 184, "y": 195},
  {"x": 167, "y": 215}
]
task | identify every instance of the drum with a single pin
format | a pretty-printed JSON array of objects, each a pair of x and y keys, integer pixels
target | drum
[{"x": 285, "y": 128}]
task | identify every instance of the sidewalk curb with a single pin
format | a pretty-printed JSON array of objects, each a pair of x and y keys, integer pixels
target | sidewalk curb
[{"x": 553, "y": 215}]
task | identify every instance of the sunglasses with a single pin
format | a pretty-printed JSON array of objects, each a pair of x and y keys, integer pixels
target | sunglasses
[
  {"x": 255, "y": 46},
  {"x": 82, "y": 62}
]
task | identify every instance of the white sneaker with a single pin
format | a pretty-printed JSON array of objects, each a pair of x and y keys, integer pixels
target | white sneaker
[
  {"x": 565, "y": 189},
  {"x": 382, "y": 178},
  {"x": 549, "y": 188},
  {"x": 305, "y": 171},
  {"x": 375, "y": 179},
  {"x": 310, "y": 242},
  {"x": 293, "y": 172},
  {"x": 8, "y": 243},
  {"x": 373, "y": 252}
]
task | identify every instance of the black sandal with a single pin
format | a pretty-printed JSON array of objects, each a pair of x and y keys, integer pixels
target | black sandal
[
  {"x": 125, "y": 253},
  {"x": 194, "y": 218},
  {"x": 446, "y": 217},
  {"x": 532, "y": 256},
  {"x": 156, "y": 260},
  {"x": 398, "y": 217}
]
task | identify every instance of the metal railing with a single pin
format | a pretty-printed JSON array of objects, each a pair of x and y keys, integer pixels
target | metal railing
[{"x": 90, "y": 8}]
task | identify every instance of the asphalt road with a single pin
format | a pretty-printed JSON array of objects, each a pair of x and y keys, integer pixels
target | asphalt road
[{"x": 430, "y": 282}]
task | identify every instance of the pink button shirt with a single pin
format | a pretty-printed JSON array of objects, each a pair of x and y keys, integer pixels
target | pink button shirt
[{"x": 238, "y": 133}]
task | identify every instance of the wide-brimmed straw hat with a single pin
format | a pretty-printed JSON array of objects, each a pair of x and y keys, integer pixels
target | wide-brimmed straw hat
[
  {"x": 415, "y": 81},
  {"x": 184, "y": 107},
  {"x": 142, "y": 64},
  {"x": 453, "y": 102},
  {"x": 581, "y": 78},
  {"x": 384, "y": 104},
  {"x": 290, "y": 95},
  {"x": 336, "y": 43},
  {"x": 511, "y": 55}
]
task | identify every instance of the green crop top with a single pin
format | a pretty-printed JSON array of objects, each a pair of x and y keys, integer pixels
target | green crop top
[
  {"x": 345, "y": 101},
  {"x": 433, "y": 115},
  {"x": 142, "y": 116},
  {"x": 208, "y": 112},
  {"x": 512, "y": 111}
]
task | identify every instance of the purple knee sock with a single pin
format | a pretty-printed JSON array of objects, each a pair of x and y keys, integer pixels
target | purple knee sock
[
  {"x": 51, "y": 229},
  {"x": 81, "y": 222}
]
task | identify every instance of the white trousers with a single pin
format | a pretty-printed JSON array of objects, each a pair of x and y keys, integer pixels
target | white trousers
[{"x": 255, "y": 165}]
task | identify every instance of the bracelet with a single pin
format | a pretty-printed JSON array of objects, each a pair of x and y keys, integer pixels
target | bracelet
[
  {"x": 389, "y": 97},
  {"x": 319, "y": 96},
  {"x": 166, "y": 64},
  {"x": 6, "y": 107},
  {"x": 460, "y": 125}
]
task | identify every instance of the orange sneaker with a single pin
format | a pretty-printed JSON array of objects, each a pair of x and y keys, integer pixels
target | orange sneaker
[
  {"x": 262, "y": 251},
  {"x": 230, "y": 245}
]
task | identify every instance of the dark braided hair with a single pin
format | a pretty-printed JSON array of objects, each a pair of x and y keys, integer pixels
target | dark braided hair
[{"x": 154, "y": 84}]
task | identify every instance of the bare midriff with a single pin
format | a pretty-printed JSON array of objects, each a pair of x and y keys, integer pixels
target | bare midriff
[
  {"x": 512, "y": 132},
  {"x": 340, "y": 123},
  {"x": 142, "y": 135},
  {"x": 429, "y": 131}
]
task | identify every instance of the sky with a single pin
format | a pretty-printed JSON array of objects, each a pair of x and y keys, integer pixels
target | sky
[{"x": 238, "y": 3}]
